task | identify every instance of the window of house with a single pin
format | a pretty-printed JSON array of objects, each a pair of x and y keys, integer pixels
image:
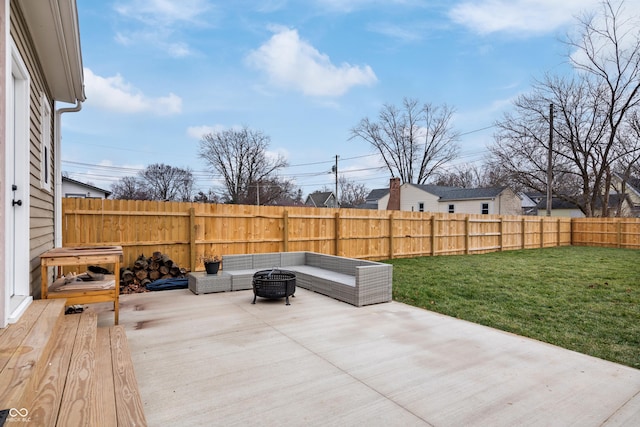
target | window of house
[
  {"x": 45, "y": 144},
  {"x": 485, "y": 209},
  {"x": 452, "y": 209},
  {"x": 421, "y": 207}
]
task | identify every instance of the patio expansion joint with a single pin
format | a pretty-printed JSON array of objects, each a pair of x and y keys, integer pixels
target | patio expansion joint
[
  {"x": 275, "y": 328},
  {"x": 620, "y": 408}
]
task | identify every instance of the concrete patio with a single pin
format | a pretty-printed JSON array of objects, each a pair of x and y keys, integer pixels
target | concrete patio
[{"x": 216, "y": 359}]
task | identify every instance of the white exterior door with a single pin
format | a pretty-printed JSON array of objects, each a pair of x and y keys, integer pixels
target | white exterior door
[{"x": 17, "y": 178}]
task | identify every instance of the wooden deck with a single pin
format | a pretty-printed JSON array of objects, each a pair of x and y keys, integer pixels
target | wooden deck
[{"x": 63, "y": 370}]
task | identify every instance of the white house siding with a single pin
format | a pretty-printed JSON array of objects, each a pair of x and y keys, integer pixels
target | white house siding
[
  {"x": 565, "y": 213},
  {"x": 411, "y": 197},
  {"x": 41, "y": 211},
  {"x": 507, "y": 203},
  {"x": 383, "y": 202},
  {"x": 632, "y": 192},
  {"x": 72, "y": 189},
  {"x": 468, "y": 206}
]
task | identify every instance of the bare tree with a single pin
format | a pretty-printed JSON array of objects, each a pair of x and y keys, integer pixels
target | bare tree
[
  {"x": 129, "y": 188},
  {"x": 240, "y": 157},
  {"x": 593, "y": 120},
  {"x": 156, "y": 182},
  {"x": 209, "y": 197},
  {"x": 470, "y": 175},
  {"x": 608, "y": 51},
  {"x": 168, "y": 183},
  {"x": 414, "y": 142},
  {"x": 270, "y": 191},
  {"x": 351, "y": 193}
]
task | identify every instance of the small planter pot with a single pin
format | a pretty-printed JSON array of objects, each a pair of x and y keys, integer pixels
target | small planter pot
[{"x": 212, "y": 267}]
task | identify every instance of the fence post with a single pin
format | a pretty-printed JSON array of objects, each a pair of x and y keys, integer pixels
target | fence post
[
  {"x": 619, "y": 230},
  {"x": 559, "y": 231},
  {"x": 433, "y": 235},
  {"x": 501, "y": 238},
  {"x": 542, "y": 232},
  {"x": 192, "y": 238},
  {"x": 524, "y": 232},
  {"x": 391, "y": 248},
  {"x": 285, "y": 231},
  {"x": 337, "y": 233},
  {"x": 467, "y": 237}
]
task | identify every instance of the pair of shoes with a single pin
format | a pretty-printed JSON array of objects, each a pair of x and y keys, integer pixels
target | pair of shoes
[
  {"x": 89, "y": 276},
  {"x": 97, "y": 269},
  {"x": 74, "y": 309}
]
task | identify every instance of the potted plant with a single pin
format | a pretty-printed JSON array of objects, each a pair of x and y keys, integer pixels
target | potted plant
[{"x": 211, "y": 263}]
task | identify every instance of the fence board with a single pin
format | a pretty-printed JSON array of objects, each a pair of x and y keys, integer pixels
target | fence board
[{"x": 187, "y": 231}]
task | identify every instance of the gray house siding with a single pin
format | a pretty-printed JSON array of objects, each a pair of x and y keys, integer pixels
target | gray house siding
[{"x": 41, "y": 211}]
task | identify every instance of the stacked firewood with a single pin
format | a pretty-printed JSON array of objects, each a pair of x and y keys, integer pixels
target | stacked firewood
[{"x": 146, "y": 270}]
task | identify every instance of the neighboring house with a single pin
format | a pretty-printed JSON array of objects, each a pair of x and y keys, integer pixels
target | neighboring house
[
  {"x": 371, "y": 201},
  {"x": 630, "y": 187},
  {"x": 559, "y": 207},
  {"x": 435, "y": 198},
  {"x": 529, "y": 205},
  {"x": 322, "y": 200},
  {"x": 73, "y": 188},
  {"x": 41, "y": 65},
  {"x": 563, "y": 208}
]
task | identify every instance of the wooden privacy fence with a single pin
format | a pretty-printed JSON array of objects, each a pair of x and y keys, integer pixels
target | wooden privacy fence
[
  {"x": 187, "y": 231},
  {"x": 607, "y": 232}
]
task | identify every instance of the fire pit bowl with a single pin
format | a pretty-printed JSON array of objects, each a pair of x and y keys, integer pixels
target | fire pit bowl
[{"x": 274, "y": 284}]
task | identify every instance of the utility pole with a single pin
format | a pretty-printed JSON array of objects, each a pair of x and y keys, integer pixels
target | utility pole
[
  {"x": 335, "y": 170},
  {"x": 549, "y": 161},
  {"x": 257, "y": 193}
]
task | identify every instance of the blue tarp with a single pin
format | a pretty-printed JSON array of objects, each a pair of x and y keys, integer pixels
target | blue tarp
[{"x": 166, "y": 284}]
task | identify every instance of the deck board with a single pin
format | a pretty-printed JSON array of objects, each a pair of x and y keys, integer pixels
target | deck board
[
  {"x": 19, "y": 377},
  {"x": 129, "y": 405},
  {"x": 105, "y": 391},
  {"x": 45, "y": 407},
  {"x": 13, "y": 335},
  {"x": 78, "y": 400},
  {"x": 63, "y": 370}
]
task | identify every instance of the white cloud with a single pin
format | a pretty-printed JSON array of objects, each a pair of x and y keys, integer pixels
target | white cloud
[
  {"x": 346, "y": 6},
  {"x": 163, "y": 12},
  {"x": 518, "y": 16},
  {"x": 197, "y": 132},
  {"x": 115, "y": 94},
  {"x": 400, "y": 32},
  {"x": 159, "y": 39},
  {"x": 293, "y": 63},
  {"x": 158, "y": 22}
]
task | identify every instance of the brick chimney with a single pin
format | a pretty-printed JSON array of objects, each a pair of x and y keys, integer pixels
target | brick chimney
[{"x": 394, "y": 195}]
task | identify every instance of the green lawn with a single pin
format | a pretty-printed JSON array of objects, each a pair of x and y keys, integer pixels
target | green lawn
[{"x": 580, "y": 298}]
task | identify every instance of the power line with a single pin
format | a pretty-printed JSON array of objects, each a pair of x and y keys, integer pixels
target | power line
[
  {"x": 476, "y": 130},
  {"x": 204, "y": 177}
]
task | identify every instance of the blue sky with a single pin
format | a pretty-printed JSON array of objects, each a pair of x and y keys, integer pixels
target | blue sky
[{"x": 160, "y": 73}]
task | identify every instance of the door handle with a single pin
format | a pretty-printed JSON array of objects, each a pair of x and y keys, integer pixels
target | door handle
[{"x": 16, "y": 202}]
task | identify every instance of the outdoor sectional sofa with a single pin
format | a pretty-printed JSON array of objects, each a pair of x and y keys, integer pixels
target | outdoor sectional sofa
[{"x": 354, "y": 281}]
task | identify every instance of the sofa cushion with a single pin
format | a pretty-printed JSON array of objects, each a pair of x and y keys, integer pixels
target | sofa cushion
[{"x": 326, "y": 275}]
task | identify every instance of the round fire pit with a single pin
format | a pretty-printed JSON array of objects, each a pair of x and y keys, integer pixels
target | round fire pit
[{"x": 274, "y": 284}]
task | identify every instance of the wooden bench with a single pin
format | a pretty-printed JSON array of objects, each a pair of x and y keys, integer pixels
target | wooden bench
[{"x": 82, "y": 256}]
